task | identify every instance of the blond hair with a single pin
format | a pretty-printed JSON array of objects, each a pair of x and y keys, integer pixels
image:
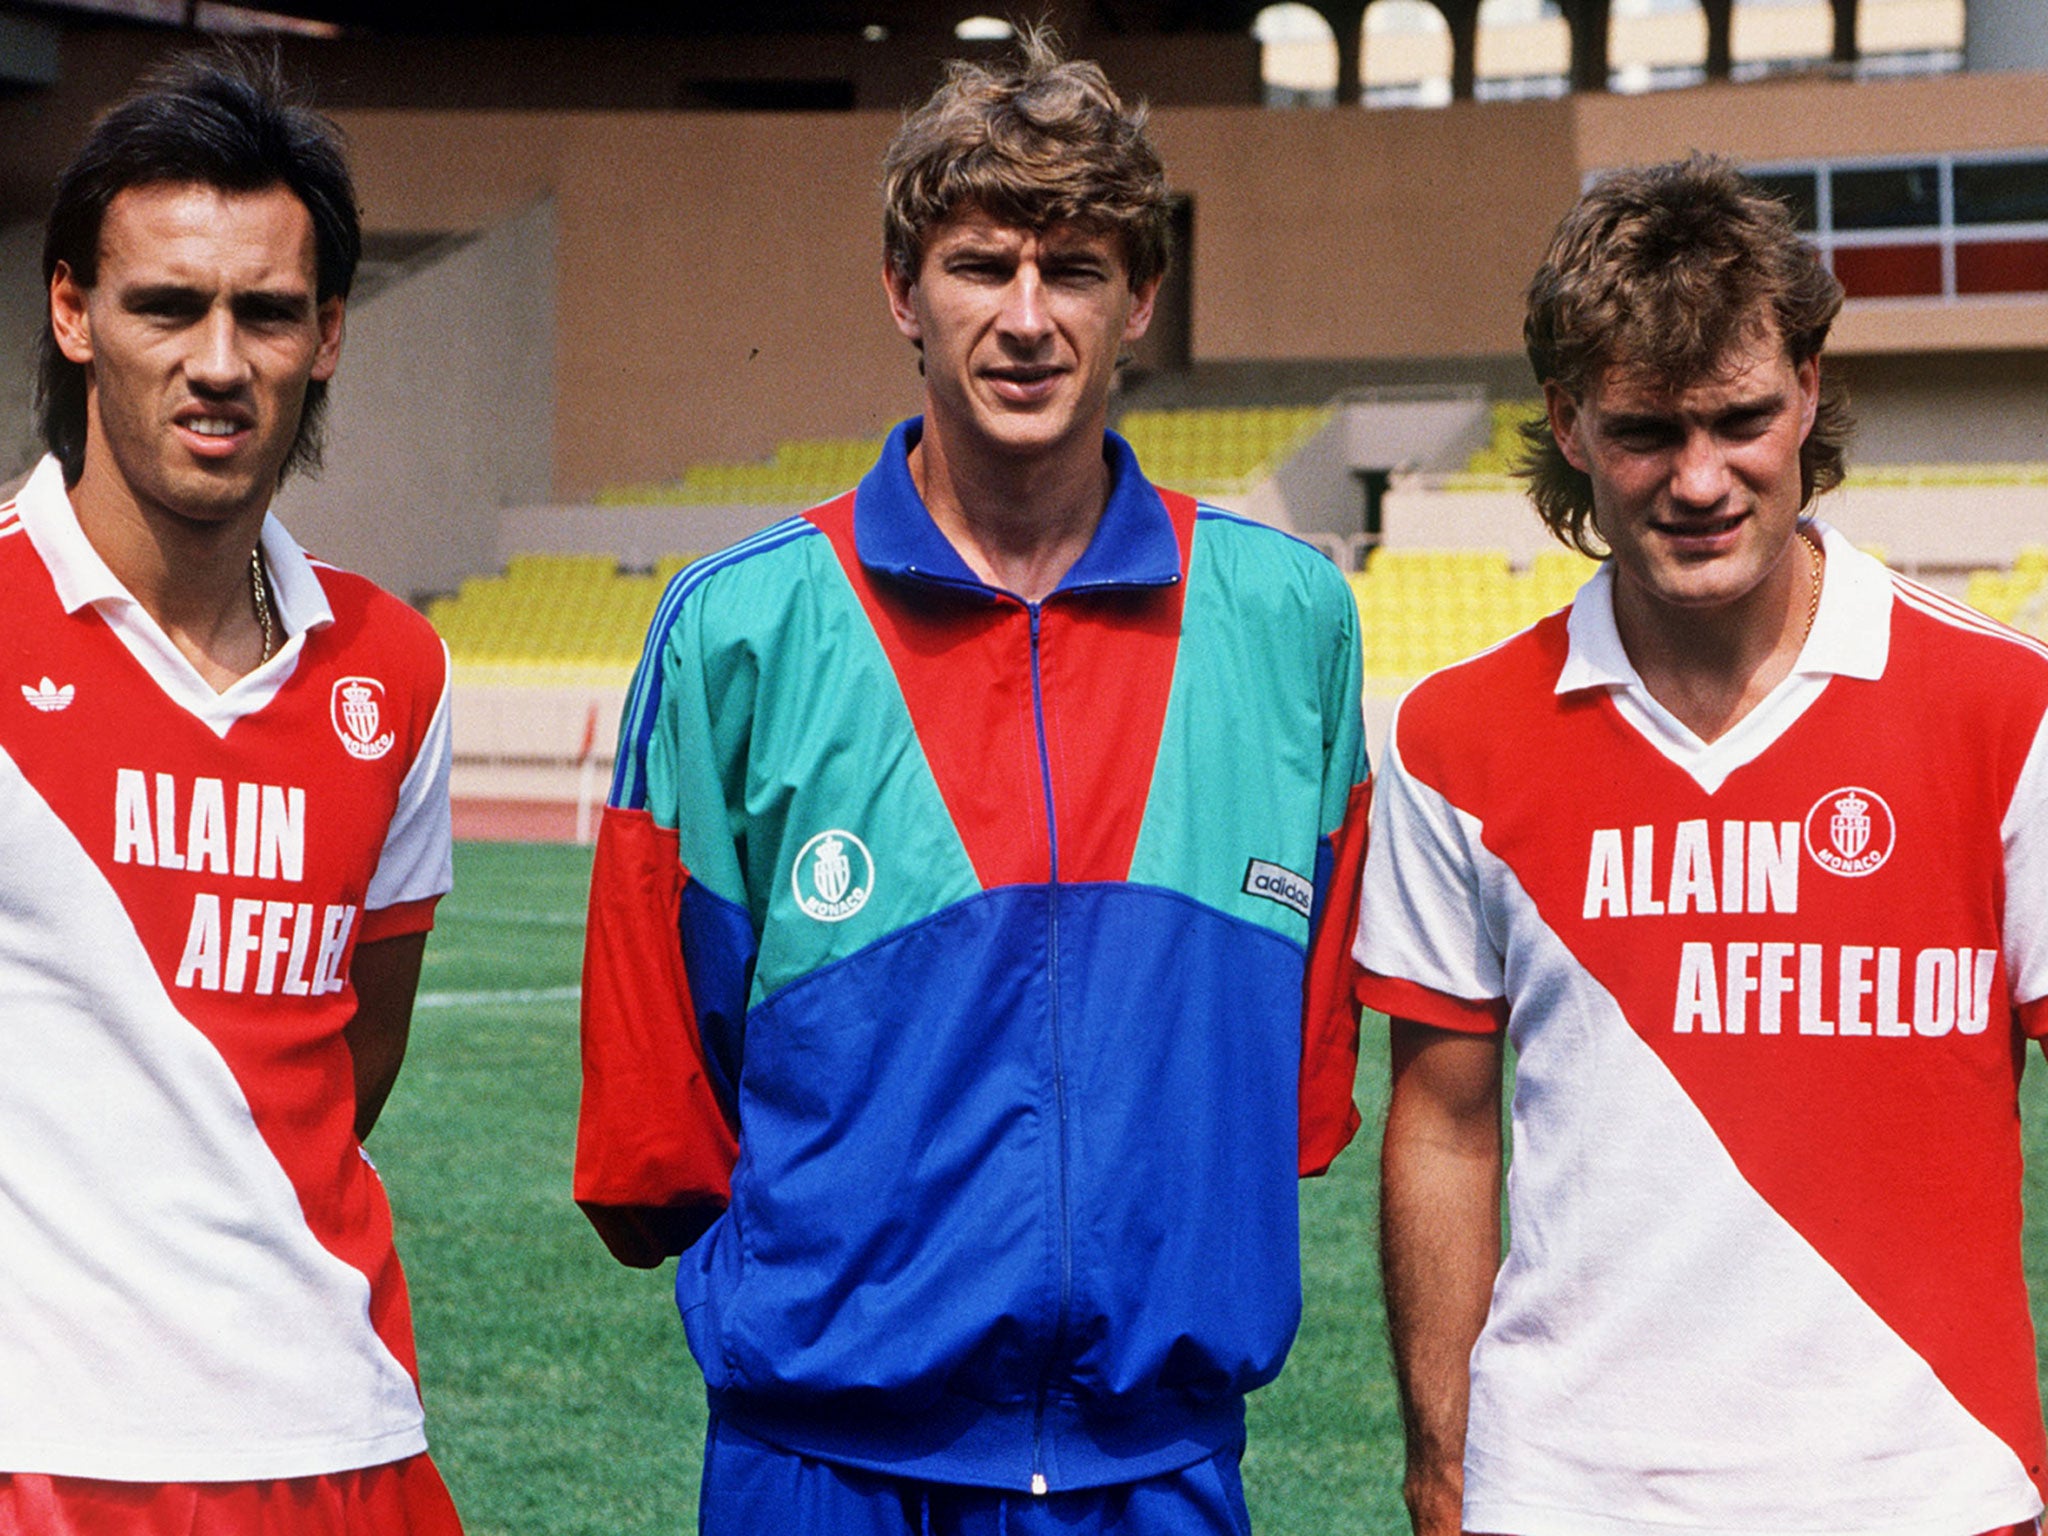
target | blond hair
[
  {"x": 1035, "y": 141},
  {"x": 1664, "y": 271}
]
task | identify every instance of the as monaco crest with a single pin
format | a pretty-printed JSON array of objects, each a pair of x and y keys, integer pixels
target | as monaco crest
[
  {"x": 832, "y": 877},
  {"x": 1850, "y": 831},
  {"x": 357, "y": 709}
]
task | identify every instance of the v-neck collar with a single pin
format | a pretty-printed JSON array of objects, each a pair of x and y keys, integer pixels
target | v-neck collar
[
  {"x": 1851, "y": 637},
  {"x": 83, "y": 579}
]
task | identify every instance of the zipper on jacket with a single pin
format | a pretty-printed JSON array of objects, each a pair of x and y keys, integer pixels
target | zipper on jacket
[{"x": 1059, "y": 1079}]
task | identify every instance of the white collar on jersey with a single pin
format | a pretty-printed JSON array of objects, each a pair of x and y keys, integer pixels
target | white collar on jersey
[
  {"x": 1852, "y": 632},
  {"x": 1852, "y": 637},
  {"x": 81, "y": 577}
]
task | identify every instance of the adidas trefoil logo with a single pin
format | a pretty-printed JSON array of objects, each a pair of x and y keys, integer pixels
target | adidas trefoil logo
[{"x": 48, "y": 696}]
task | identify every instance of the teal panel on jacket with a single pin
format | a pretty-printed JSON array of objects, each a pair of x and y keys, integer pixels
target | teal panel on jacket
[
  {"x": 843, "y": 837},
  {"x": 1263, "y": 736}
]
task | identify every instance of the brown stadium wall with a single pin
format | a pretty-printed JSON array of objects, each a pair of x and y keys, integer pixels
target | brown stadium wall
[
  {"x": 652, "y": 288},
  {"x": 717, "y": 277}
]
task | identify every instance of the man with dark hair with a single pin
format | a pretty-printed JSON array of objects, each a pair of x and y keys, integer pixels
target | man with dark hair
[
  {"x": 224, "y": 779},
  {"x": 236, "y": 133},
  {"x": 960, "y": 999},
  {"x": 1746, "y": 853}
]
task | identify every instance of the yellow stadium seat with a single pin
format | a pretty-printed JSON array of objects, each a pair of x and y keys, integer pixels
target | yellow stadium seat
[{"x": 1421, "y": 609}]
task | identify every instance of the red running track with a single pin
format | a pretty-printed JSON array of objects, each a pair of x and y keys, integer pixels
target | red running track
[{"x": 515, "y": 821}]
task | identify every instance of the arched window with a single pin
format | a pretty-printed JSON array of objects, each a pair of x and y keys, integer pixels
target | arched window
[
  {"x": 1770, "y": 37},
  {"x": 1297, "y": 57},
  {"x": 1653, "y": 45},
  {"x": 1406, "y": 54},
  {"x": 1908, "y": 37},
  {"x": 1525, "y": 50}
]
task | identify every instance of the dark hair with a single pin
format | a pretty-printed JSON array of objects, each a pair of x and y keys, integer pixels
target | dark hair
[
  {"x": 1663, "y": 271},
  {"x": 221, "y": 118},
  {"x": 1035, "y": 141}
]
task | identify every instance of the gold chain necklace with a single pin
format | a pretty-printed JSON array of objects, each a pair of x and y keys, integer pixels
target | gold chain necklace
[
  {"x": 258, "y": 587},
  {"x": 1813, "y": 555}
]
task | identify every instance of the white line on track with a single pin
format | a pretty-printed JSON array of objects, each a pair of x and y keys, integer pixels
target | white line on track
[
  {"x": 502, "y": 999},
  {"x": 514, "y": 915}
]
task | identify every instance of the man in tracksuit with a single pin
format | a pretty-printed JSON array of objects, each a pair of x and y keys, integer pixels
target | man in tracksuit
[{"x": 967, "y": 977}]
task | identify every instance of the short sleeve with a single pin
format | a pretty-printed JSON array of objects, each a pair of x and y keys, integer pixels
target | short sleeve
[
  {"x": 1424, "y": 945},
  {"x": 2025, "y": 836},
  {"x": 417, "y": 863}
]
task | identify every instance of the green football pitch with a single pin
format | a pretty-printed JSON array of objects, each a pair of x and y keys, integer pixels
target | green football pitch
[{"x": 561, "y": 1400}]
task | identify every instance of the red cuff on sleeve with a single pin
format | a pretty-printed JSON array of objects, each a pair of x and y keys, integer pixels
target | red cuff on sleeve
[
  {"x": 654, "y": 1147},
  {"x": 2034, "y": 1018},
  {"x": 400, "y": 917},
  {"x": 1408, "y": 1000},
  {"x": 1329, "y": 1023}
]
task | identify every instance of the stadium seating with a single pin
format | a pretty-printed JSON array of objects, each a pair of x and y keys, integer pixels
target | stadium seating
[
  {"x": 1420, "y": 609},
  {"x": 1503, "y": 450},
  {"x": 1937, "y": 475},
  {"x": 801, "y": 472},
  {"x": 553, "y": 611},
  {"x": 1217, "y": 451},
  {"x": 2017, "y": 596},
  {"x": 1194, "y": 450}
]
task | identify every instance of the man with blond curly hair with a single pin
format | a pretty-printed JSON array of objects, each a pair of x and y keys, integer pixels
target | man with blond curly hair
[
  {"x": 1746, "y": 855},
  {"x": 961, "y": 1000}
]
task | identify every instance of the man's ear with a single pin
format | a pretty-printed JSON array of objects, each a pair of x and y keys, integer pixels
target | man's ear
[
  {"x": 1565, "y": 416},
  {"x": 333, "y": 311},
  {"x": 902, "y": 307},
  {"x": 1143, "y": 298},
  {"x": 1809, "y": 390},
  {"x": 69, "y": 322}
]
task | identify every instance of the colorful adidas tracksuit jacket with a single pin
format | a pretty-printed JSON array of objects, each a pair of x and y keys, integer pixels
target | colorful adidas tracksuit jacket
[{"x": 967, "y": 981}]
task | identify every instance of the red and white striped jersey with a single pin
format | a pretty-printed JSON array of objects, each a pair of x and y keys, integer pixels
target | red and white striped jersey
[
  {"x": 1768, "y": 998},
  {"x": 198, "y": 1281}
]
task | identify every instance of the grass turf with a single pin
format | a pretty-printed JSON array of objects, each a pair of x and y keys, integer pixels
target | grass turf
[{"x": 561, "y": 1398}]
